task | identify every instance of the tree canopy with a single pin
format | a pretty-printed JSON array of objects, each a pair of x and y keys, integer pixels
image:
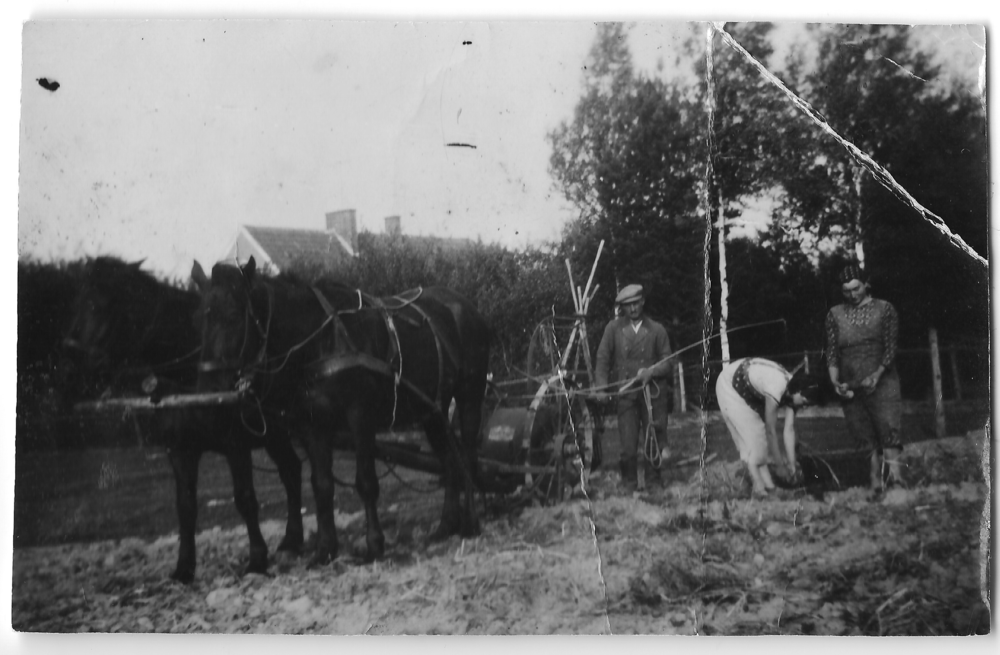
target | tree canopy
[{"x": 634, "y": 161}]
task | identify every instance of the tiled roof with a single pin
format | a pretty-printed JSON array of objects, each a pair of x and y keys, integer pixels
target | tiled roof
[
  {"x": 285, "y": 246},
  {"x": 445, "y": 243}
]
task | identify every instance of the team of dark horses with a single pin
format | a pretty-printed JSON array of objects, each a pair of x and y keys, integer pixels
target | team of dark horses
[{"x": 308, "y": 362}]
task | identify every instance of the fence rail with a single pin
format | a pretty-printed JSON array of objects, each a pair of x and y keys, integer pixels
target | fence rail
[{"x": 960, "y": 374}]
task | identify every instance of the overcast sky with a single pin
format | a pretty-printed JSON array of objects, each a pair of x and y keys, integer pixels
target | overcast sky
[{"x": 163, "y": 136}]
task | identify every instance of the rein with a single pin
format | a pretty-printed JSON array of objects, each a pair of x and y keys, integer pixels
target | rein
[
  {"x": 334, "y": 364},
  {"x": 350, "y": 358},
  {"x": 222, "y": 365}
]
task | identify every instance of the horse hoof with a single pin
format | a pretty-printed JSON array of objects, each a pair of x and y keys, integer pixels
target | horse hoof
[
  {"x": 367, "y": 551},
  {"x": 322, "y": 559},
  {"x": 256, "y": 567},
  {"x": 443, "y": 532},
  {"x": 183, "y": 576},
  {"x": 292, "y": 544}
]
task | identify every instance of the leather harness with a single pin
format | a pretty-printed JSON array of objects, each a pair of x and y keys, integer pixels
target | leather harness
[{"x": 353, "y": 358}]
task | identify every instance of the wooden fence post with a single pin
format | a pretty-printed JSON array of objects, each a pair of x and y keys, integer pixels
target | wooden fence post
[
  {"x": 953, "y": 358},
  {"x": 939, "y": 426},
  {"x": 680, "y": 395}
]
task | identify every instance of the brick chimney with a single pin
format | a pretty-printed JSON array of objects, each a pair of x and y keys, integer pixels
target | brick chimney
[
  {"x": 392, "y": 225},
  {"x": 345, "y": 224}
]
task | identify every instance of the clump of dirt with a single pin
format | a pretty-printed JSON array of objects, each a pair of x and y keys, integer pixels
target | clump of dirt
[{"x": 695, "y": 555}]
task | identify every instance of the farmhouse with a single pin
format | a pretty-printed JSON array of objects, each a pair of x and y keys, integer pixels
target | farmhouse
[{"x": 277, "y": 247}]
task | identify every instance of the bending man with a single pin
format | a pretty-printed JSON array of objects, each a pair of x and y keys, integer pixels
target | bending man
[{"x": 750, "y": 391}]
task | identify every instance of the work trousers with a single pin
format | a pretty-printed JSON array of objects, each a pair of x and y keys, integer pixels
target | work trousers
[
  {"x": 633, "y": 417},
  {"x": 875, "y": 418}
]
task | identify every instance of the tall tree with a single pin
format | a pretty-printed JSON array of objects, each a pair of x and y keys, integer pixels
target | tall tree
[
  {"x": 629, "y": 162},
  {"x": 748, "y": 119},
  {"x": 883, "y": 94}
]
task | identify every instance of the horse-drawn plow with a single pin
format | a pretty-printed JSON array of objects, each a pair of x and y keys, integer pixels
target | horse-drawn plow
[{"x": 539, "y": 435}]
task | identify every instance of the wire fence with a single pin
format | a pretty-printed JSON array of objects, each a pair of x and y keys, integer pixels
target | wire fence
[{"x": 964, "y": 375}]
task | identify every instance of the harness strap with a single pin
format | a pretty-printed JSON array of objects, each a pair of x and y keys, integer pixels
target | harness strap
[
  {"x": 335, "y": 365},
  {"x": 440, "y": 357},
  {"x": 340, "y": 331},
  {"x": 338, "y": 364},
  {"x": 651, "y": 446},
  {"x": 342, "y": 336},
  {"x": 403, "y": 298},
  {"x": 448, "y": 347}
]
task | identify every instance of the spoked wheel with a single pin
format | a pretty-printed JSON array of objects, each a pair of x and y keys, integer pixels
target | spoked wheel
[
  {"x": 543, "y": 350},
  {"x": 563, "y": 438}
]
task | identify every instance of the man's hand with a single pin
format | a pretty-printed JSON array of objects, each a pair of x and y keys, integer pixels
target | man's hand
[
  {"x": 645, "y": 375},
  {"x": 870, "y": 382},
  {"x": 842, "y": 390}
]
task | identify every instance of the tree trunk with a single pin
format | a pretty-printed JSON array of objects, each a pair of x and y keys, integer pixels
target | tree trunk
[{"x": 939, "y": 425}]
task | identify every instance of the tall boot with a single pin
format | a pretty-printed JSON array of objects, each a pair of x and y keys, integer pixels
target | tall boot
[
  {"x": 893, "y": 460},
  {"x": 628, "y": 471},
  {"x": 876, "y": 471}
]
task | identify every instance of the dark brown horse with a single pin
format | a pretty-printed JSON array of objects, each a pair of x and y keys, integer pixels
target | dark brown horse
[
  {"x": 127, "y": 326},
  {"x": 333, "y": 360}
]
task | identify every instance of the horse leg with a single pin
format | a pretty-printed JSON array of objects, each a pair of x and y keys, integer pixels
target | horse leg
[
  {"x": 241, "y": 470},
  {"x": 451, "y": 517},
  {"x": 470, "y": 416},
  {"x": 290, "y": 472},
  {"x": 366, "y": 482},
  {"x": 185, "y": 465},
  {"x": 321, "y": 464}
]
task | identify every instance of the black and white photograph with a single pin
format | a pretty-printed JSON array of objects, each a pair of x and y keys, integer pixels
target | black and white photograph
[{"x": 376, "y": 324}]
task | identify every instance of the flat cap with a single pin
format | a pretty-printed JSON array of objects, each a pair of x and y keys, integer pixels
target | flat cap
[{"x": 630, "y": 293}]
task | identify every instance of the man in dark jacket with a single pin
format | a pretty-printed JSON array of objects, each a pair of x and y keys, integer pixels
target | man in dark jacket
[{"x": 635, "y": 346}]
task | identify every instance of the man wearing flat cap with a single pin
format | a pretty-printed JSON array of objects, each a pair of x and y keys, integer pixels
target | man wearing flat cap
[{"x": 635, "y": 346}]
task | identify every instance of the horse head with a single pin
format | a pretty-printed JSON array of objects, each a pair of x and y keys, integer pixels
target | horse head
[
  {"x": 234, "y": 318},
  {"x": 103, "y": 332}
]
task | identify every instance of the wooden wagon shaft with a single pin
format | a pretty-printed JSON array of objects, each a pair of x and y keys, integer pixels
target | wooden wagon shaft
[
  {"x": 516, "y": 468},
  {"x": 422, "y": 461},
  {"x": 166, "y": 402},
  {"x": 408, "y": 457}
]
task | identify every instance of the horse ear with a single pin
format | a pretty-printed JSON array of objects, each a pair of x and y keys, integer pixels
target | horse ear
[
  {"x": 136, "y": 264},
  {"x": 199, "y": 277},
  {"x": 249, "y": 268}
]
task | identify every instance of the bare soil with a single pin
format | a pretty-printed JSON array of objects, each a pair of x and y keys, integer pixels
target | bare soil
[{"x": 692, "y": 555}]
